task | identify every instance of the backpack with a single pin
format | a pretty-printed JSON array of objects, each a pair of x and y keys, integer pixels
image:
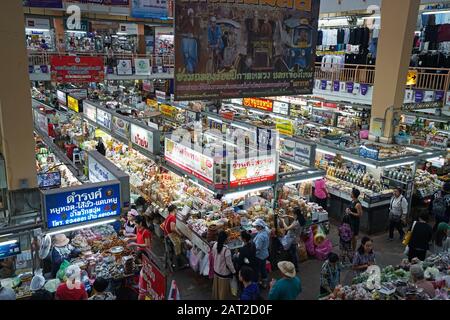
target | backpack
[
  {"x": 345, "y": 232},
  {"x": 440, "y": 205}
]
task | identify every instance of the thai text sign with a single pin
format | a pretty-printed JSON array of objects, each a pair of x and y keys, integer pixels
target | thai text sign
[
  {"x": 76, "y": 69},
  {"x": 257, "y": 103},
  {"x": 253, "y": 170}
]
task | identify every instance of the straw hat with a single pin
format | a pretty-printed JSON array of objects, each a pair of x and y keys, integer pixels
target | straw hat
[
  {"x": 287, "y": 268},
  {"x": 60, "y": 240},
  {"x": 37, "y": 283}
]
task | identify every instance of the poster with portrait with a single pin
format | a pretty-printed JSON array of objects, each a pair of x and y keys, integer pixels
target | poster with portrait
[{"x": 244, "y": 48}]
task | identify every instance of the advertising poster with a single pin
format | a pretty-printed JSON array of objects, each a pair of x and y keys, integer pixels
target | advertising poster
[
  {"x": 189, "y": 160},
  {"x": 241, "y": 49},
  {"x": 121, "y": 127},
  {"x": 49, "y": 180},
  {"x": 9, "y": 249},
  {"x": 76, "y": 69},
  {"x": 149, "y": 8},
  {"x": 142, "y": 137},
  {"x": 142, "y": 67},
  {"x": 253, "y": 170},
  {"x": 285, "y": 127},
  {"x": 147, "y": 85},
  {"x": 287, "y": 149},
  {"x": 104, "y": 118},
  {"x": 71, "y": 206},
  {"x": 62, "y": 97},
  {"x": 41, "y": 121},
  {"x": 124, "y": 68},
  {"x": 155, "y": 281},
  {"x": 168, "y": 110},
  {"x": 281, "y": 107},
  {"x": 90, "y": 111},
  {"x": 303, "y": 154},
  {"x": 73, "y": 104}
]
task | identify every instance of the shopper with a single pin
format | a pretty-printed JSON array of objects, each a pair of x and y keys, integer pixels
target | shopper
[
  {"x": 37, "y": 289},
  {"x": 421, "y": 235},
  {"x": 330, "y": 274},
  {"x": 100, "y": 286},
  {"x": 345, "y": 240},
  {"x": 440, "y": 206},
  {"x": 143, "y": 236},
  {"x": 101, "y": 147},
  {"x": 294, "y": 231},
  {"x": 250, "y": 289},
  {"x": 247, "y": 255},
  {"x": 398, "y": 211},
  {"x": 289, "y": 286},
  {"x": 223, "y": 268},
  {"x": 7, "y": 267},
  {"x": 72, "y": 288},
  {"x": 321, "y": 192},
  {"x": 418, "y": 278},
  {"x": 355, "y": 211},
  {"x": 261, "y": 241},
  {"x": 172, "y": 235},
  {"x": 364, "y": 256},
  {"x": 6, "y": 293},
  {"x": 441, "y": 240},
  {"x": 62, "y": 250}
]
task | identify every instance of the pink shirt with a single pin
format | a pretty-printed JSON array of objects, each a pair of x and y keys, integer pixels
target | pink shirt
[{"x": 320, "y": 189}]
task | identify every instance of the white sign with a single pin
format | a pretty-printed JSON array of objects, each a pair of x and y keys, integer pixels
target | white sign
[
  {"x": 128, "y": 28},
  {"x": 160, "y": 95},
  {"x": 189, "y": 160},
  {"x": 36, "y": 23},
  {"x": 142, "y": 67},
  {"x": 104, "y": 118},
  {"x": 287, "y": 149},
  {"x": 302, "y": 154},
  {"x": 281, "y": 107},
  {"x": 124, "y": 68},
  {"x": 237, "y": 101},
  {"x": 62, "y": 97},
  {"x": 142, "y": 137},
  {"x": 97, "y": 172},
  {"x": 90, "y": 111},
  {"x": 253, "y": 170}
]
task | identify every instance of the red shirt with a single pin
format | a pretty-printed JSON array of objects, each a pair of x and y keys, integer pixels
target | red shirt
[
  {"x": 167, "y": 229},
  {"x": 65, "y": 293},
  {"x": 141, "y": 235}
]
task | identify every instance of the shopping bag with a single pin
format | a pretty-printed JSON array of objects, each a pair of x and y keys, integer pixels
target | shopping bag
[
  {"x": 194, "y": 259},
  {"x": 408, "y": 235},
  {"x": 61, "y": 274},
  {"x": 174, "y": 293},
  {"x": 234, "y": 286},
  {"x": 204, "y": 266}
]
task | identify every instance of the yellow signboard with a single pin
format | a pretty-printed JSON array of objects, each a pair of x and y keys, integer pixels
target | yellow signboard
[
  {"x": 72, "y": 104},
  {"x": 168, "y": 111},
  {"x": 285, "y": 127},
  {"x": 411, "y": 79},
  {"x": 152, "y": 103}
]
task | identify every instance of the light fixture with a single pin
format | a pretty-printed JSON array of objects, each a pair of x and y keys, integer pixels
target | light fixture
[
  {"x": 436, "y": 12},
  {"x": 37, "y": 29},
  {"x": 201, "y": 187},
  {"x": 294, "y": 166},
  {"x": 303, "y": 180},
  {"x": 372, "y": 17},
  {"x": 240, "y": 127},
  {"x": 243, "y": 193},
  {"x": 217, "y": 120},
  {"x": 414, "y": 150},
  {"x": 77, "y": 31},
  {"x": 6, "y": 235},
  {"x": 5, "y": 243},
  {"x": 434, "y": 159},
  {"x": 326, "y": 152},
  {"x": 90, "y": 225},
  {"x": 257, "y": 112},
  {"x": 399, "y": 164},
  {"x": 360, "y": 162}
]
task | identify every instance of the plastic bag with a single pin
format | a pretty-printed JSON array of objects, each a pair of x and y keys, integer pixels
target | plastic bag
[
  {"x": 234, "y": 286},
  {"x": 194, "y": 259},
  {"x": 204, "y": 266},
  {"x": 323, "y": 249},
  {"x": 61, "y": 274}
]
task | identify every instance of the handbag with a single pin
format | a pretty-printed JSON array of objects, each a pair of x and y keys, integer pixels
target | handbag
[{"x": 408, "y": 235}]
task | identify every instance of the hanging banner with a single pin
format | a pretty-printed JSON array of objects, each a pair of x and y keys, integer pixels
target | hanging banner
[
  {"x": 149, "y": 9},
  {"x": 285, "y": 127},
  {"x": 121, "y": 127},
  {"x": 303, "y": 154},
  {"x": 142, "y": 137},
  {"x": 62, "y": 97},
  {"x": 191, "y": 161},
  {"x": 9, "y": 249},
  {"x": 76, "y": 69},
  {"x": 124, "y": 68},
  {"x": 287, "y": 149},
  {"x": 142, "y": 67},
  {"x": 253, "y": 170},
  {"x": 244, "y": 48},
  {"x": 258, "y": 103},
  {"x": 81, "y": 204},
  {"x": 104, "y": 119}
]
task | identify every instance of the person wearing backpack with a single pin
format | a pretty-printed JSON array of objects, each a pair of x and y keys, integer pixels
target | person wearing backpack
[
  {"x": 440, "y": 206},
  {"x": 251, "y": 290},
  {"x": 398, "y": 210}
]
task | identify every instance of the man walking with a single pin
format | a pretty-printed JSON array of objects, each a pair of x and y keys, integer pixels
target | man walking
[{"x": 397, "y": 214}]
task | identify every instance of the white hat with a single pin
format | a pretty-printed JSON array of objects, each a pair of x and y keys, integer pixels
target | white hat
[
  {"x": 73, "y": 270},
  {"x": 259, "y": 223},
  {"x": 287, "y": 268},
  {"x": 60, "y": 240},
  {"x": 37, "y": 283}
]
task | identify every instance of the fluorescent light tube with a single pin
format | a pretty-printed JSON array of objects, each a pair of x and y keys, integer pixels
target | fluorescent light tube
[
  {"x": 294, "y": 166},
  {"x": 242, "y": 193},
  {"x": 240, "y": 127},
  {"x": 400, "y": 164},
  {"x": 302, "y": 180},
  {"x": 90, "y": 225},
  {"x": 201, "y": 187},
  {"x": 326, "y": 152},
  {"x": 432, "y": 159},
  {"x": 436, "y": 12},
  {"x": 414, "y": 150},
  {"x": 217, "y": 120},
  {"x": 360, "y": 162},
  {"x": 6, "y": 235},
  {"x": 37, "y": 29},
  {"x": 8, "y": 242}
]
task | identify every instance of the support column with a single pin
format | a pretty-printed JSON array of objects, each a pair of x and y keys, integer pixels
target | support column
[
  {"x": 398, "y": 21},
  {"x": 16, "y": 122}
]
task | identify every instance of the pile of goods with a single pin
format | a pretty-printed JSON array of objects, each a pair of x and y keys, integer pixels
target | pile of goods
[
  {"x": 378, "y": 152},
  {"x": 426, "y": 184}
]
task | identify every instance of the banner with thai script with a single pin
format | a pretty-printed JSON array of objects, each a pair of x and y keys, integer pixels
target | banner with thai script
[
  {"x": 191, "y": 161},
  {"x": 97, "y": 172},
  {"x": 76, "y": 69},
  {"x": 81, "y": 204},
  {"x": 253, "y": 170},
  {"x": 244, "y": 48},
  {"x": 284, "y": 126},
  {"x": 154, "y": 280},
  {"x": 142, "y": 137},
  {"x": 258, "y": 103}
]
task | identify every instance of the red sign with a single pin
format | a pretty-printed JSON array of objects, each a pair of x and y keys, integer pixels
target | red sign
[
  {"x": 155, "y": 281},
  {"x": 329, "y": 105},
  {"x": 257, "y": 103},
  {"x": 77, "y": 69}
]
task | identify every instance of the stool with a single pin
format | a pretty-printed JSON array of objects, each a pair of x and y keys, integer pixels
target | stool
[{"x": 76, "y": 156}]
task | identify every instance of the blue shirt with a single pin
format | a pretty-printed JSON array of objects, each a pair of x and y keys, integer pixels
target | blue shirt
[
  {"x": 286, "y": 289},
  {"x": 251, "y": 292},
  {"x": 215, "y": 37},
  {"x": 262, "y": 244}
]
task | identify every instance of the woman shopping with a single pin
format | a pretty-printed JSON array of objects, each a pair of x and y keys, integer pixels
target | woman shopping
[
  {"x": 321, "y": 192},
  {"x": 421, "y": 235},
  {"x": 355, "y": 211},
  {"x": 292, "y": 236},
  {"x": 364, "y": 256},
  {"x": 223, "y": 269}
]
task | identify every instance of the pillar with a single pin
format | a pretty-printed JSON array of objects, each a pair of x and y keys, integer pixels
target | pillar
[
  {"x": 58, "y": 24},
  {"x": 142, "y": 48},
  {"x": 16, "y": 122},
  {"x": 398, "y": 22}
]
